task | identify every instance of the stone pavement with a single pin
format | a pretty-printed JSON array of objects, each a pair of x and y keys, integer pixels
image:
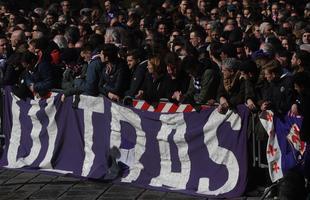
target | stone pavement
[{"x": 16, "y": 185}]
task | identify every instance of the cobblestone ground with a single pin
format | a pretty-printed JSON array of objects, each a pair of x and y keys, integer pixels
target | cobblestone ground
[{"x": 15, "y": 185}]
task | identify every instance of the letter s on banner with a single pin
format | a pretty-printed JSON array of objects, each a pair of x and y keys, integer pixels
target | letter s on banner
[{"x": 216, "y": 152}]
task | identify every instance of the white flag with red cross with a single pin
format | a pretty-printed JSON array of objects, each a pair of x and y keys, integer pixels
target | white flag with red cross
[{"x": 273, "y": 149}]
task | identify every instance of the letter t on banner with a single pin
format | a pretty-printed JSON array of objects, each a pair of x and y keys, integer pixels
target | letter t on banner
[{"x": 89, "y": 104}]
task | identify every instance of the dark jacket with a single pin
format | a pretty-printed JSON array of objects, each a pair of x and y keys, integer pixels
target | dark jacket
[
  {"x": 114, "y": 81},
  {"x": 153, "y": 88},
  {"x": 169, "y": 86},
  {"x": 136, "y": 79},
  {"x": 281, "y": 94},
  {"x": 21, "y": 89},
  {"x": 89, "y": 85},
  {"x": 240, "y": 91},
  {"x": 11, "y": 71},
  {"x": 67, "y": 83},
  {"x": 42, "y": 77},
  {"x": 11, "y": 75},
  {"x": 208, "y": 79}
]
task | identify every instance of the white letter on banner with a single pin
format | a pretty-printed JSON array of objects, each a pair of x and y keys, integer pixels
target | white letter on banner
[
  {"x": 90, "y": 104},
  {"x": 167, "y": 177},
  {"x": 219, "y": 154},
  {"x": 15, "y": 135},
  {"x": 50, "y": 111},
  {"x": 52, "y": 130},
  {"x": 35, "y": 135},
  {"x": 120, "y": 113}
]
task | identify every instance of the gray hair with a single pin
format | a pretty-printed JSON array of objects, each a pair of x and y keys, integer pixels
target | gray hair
[
  {"x": 61, "y": 41},
  {"x": 231, "y": 63},
  {"x": 267, "y": 48}
]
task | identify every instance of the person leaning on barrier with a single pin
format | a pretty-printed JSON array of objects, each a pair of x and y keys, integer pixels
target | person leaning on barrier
[
  {"x": 203, "y": 84},
  {"x": 279, "y": 95},
  {"x": 89, "y": 84},
  {"x": 233, "y": 89},
  {"x": 249, "y": 73},
  {"x": 70, "y": 57},
  {"x": 152, "y": 88},
  {"x": 137, "y": 72},
  {"x": 27, "y": 61},
  {"x": 113, "y": 79},
  {"x": 174, "y": 79},
  {"x": 301, "y": 106},
  {"x": 41, "y": 80},
  {"x": 75, "y": 71}
]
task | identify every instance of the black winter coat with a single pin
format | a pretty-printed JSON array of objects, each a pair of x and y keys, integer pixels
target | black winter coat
[
  {"x": 280, "y": 93},
  {"x": 241, "y": 91},
  {"x": 137, "y": 76},
  {"x": 115, "y": 81}
]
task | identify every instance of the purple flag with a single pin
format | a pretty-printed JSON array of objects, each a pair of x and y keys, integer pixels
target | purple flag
[{"x": 285, "y": 150}]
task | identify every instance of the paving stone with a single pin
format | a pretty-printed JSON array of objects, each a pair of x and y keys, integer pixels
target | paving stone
[
  {"x": 17, "y": 185},
  {"x": 8, "y": 174},
  {"x": 122, "y": 191},
  {"x": 22, "y": 178},
  {"x": 115, "y": 198},
  {"x": 51, "y": 191},
  {"x": 66, "y": 178},
  {"x": 91, "y": 185},
  {"x": 24, "y": 192},
  {"x": 176, "y": 196},
  {"x": 84, "y": 194},
  {"x": 8, "y": 190},
  {"x": 4, "y": 196},
  {"x": 31, "y": 188},
  {"x": 42, "y": 178},
  {"x": 150, "y": 195}
]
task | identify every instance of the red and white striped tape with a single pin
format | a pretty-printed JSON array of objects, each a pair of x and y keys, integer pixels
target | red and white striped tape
[{"x": 165, "y": 107}]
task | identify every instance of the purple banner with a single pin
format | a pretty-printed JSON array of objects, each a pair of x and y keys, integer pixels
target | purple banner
[{"x": 201, "y": 153}]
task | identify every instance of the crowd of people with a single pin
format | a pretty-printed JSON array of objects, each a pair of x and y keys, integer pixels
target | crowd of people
[{"x": 221, "y": 53}]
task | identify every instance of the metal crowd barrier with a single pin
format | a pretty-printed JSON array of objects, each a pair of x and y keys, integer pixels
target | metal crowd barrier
[{"x": 258, "y": 152}]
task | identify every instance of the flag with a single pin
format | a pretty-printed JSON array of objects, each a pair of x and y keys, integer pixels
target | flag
[{"x": 285, "y": 150}]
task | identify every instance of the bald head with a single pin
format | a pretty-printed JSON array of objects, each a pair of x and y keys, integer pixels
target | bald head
[{"x": 18, "y": 37}]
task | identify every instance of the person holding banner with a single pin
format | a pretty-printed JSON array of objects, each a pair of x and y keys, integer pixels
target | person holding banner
[
  {"x": 152, "y": 89},
  {"x": 233, "y": 89},
  {"x": 279, "y": 95},
  {"x": 113, "y": 80},
  {"x": 203, "y": 83}
]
